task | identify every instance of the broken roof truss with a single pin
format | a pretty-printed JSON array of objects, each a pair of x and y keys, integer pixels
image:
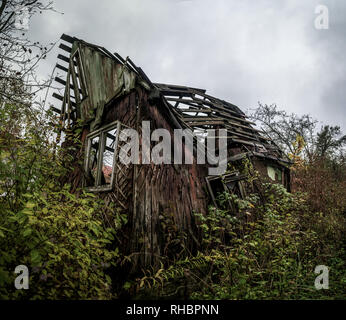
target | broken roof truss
[{"x": 190, "y": 107}]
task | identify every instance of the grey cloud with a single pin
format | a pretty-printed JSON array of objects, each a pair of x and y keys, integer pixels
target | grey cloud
[{"x": 242, "y": 51}]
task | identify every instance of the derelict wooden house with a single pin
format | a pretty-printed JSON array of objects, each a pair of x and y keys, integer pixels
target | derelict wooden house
[{"x": 107, "y": 94}]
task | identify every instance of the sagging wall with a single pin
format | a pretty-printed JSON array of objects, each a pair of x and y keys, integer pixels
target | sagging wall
[
  {"x": 270, "y": 171},
  {"x": 154, "y": 193},
  {"x": 166, "y": 191}
]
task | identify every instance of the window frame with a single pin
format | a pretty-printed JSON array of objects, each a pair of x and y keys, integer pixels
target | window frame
[{"x": 101, "y": 133}]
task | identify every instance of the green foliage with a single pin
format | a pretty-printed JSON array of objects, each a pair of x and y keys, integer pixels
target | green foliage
[
  {"x": 273, "y": 257},
  {"x": 63, "y": 238},
  {"x": 266, "y": 247}
]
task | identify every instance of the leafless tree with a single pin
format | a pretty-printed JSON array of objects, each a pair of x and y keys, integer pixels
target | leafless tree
[
  {"x": 286, "y": 130},
  {"x": 19, "y": 56}
]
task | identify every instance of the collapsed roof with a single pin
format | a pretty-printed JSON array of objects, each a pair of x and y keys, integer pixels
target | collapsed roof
[{"x": 190, "y": 107}]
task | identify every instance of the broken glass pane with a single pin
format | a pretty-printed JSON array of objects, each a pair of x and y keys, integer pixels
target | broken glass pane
[
  {"x": 93, "y": 161},
  {"x": 108, "y": 156}
]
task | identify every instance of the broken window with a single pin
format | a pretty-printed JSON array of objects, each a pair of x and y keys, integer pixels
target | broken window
[
  {"x": 274, "y": 173},
  {"x": 231, "y": 183},
  {"x": 100, "y": 157}
]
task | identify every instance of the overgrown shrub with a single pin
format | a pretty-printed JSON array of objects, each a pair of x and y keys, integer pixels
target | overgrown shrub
[
  {"x": 62, "y": 240},
  {"x": 61, "y": 237},
  {"x": 271, "y": 258}
]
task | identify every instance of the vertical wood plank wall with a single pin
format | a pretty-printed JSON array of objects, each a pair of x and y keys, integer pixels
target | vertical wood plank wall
[{"x": 166, "y": 190}]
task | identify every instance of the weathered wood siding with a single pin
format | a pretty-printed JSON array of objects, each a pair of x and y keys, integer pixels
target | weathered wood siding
[
  {"x": 152, "y": 192},
  {"x": 167, "y": 190},
  {"x": 103, "y": 81}
]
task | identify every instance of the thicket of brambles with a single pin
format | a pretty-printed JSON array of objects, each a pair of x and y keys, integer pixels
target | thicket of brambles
[{"x": 70, "y": 241}]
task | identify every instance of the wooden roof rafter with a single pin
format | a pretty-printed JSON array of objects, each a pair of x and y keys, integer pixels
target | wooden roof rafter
[{"x": 186, "y": 107}]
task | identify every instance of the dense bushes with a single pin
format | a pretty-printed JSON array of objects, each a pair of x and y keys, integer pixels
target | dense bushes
[
  {"x": 66, "y": 240},
  {"x": 271, "y": 258},
  {"x": 324, "y": 181},
  {"x": 268, "y": 250},
  {"x": 269, "y": 247},
  {"x": 63, "y": 242}
]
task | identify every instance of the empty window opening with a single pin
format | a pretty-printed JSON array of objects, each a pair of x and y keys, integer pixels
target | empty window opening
[{"x": 101, "y": 157}]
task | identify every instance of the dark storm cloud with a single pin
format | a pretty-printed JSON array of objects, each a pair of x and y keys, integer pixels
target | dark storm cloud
[{"x": 242, "y": 51}]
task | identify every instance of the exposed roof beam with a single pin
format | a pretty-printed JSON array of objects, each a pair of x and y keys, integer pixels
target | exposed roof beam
[
  {"x": 65, "y": 47},
  {"x": 67, "y": 38}
]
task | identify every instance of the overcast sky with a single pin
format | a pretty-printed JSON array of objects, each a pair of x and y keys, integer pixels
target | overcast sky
[{"x": 241, "y": 51}]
